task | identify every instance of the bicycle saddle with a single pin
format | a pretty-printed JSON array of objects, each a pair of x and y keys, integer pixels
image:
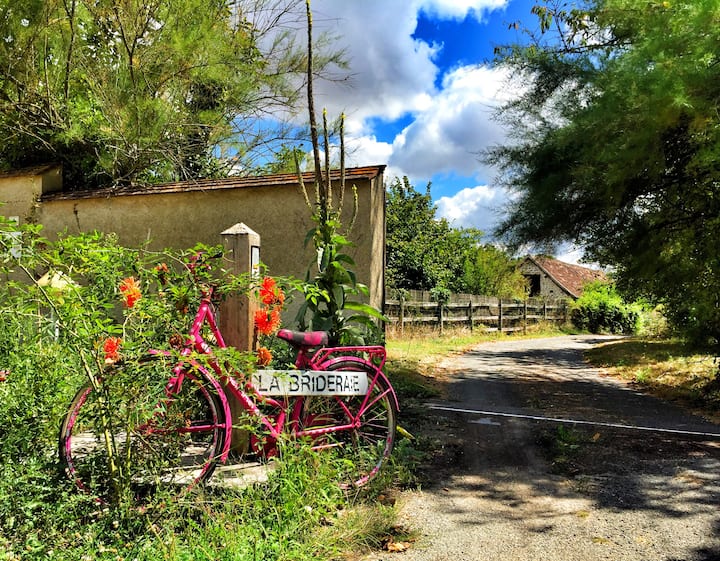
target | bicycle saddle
[{"x": 304, "y": 338}]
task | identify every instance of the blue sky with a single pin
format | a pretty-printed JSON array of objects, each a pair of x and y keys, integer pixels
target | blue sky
[{"x": 420, "y": 93}]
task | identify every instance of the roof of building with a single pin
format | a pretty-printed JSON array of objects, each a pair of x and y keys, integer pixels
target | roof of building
[
  {"x": 569, "y": 277},
  {"x": 235, "y": 182},
  {"x": 38, "y": 169}
]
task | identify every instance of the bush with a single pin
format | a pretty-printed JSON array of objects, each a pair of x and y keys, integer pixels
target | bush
[
  {"x": 53, "y": 339},
  {"x": 600, "y": 309}
]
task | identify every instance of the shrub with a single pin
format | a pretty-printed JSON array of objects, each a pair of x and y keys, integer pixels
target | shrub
[{"x": 600, "y": 309}]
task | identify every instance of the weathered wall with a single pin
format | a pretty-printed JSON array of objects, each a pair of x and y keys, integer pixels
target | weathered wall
[
  {"x": 548, "y": 287},
  {"x": 21, "y": 190},
  {"x": 179, "y": 215}
]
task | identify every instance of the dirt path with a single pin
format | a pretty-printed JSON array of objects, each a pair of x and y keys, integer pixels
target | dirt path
[{"x": 511, "y": 485}]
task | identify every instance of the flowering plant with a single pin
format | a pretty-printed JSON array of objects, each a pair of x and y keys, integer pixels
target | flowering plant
[
  {"x": 92, "y": 329},
  {"x": 267, "y": 318},
  {"x": 131, "y": 291}
]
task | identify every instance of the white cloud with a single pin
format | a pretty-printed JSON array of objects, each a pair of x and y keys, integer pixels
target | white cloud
[
  {"x": 393, "y": 76},
  {"x": 448, "y": 136},
  {"x": 460, "y": 8},
  {"x": 472, "y": 207},
  {"x": 390, "y": 73}
]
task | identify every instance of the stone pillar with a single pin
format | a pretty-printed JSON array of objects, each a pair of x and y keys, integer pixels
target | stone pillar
[{"x": 242, "y": 247}]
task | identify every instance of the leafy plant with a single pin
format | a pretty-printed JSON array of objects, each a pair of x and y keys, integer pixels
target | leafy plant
[
  {"x": 329, "y": 294},
  {"x": 98, "y": 305},
  {"x": 600, "y": 309}
]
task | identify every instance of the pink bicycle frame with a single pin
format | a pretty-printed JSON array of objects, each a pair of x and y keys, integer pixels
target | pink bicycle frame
[{"x": 248, "y": 395}]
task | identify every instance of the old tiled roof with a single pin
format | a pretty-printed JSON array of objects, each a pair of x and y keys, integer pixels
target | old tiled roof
[
  {"x": 351, "y": 174},
  {"x": 568, "y": 276}
]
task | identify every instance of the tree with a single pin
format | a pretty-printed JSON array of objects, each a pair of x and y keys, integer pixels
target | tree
[
  {"x": 423, "y": 252},
  {"x": 426, "y": 253},
  {"x": 139, "y": 90},
  {"x": 615, "y": 143},
  {"x": 489, "y": 271}
]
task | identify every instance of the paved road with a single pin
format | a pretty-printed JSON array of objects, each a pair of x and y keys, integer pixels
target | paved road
[{"x": 510, "y": 485}]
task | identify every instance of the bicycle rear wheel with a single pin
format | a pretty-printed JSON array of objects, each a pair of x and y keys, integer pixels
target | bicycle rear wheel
[
  {"x": 127, "y": 438},
  {"x": 368, "y": 439}
]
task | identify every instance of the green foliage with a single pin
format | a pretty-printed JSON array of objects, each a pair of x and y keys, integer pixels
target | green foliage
[
  {"x": 51, "y": 342},
  {"x": 600, "y": 309},
  {"x": 137, "y": 91},
  {"x": 490, "y": 271},
  {"x": 615, "y": 146},
  {"x": 422, "y": 252},
  {"x": 328, "y": 296},
  {"x": 425, "y": 253},
  {"x": 98, "y": 304}
]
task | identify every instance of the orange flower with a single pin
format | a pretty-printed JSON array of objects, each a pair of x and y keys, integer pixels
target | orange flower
[
  {"x": 131, "y": 291},
  {"x": 111, "y": 348},
  {"x": 264, "y": 356},
  {"x": 162, "y": 273},
  {"x": 270, "y": 293},
  {"x": 266, "y": 322}
]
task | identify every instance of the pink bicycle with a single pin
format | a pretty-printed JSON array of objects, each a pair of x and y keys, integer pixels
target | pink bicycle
[{"x": 336, "y": 398}]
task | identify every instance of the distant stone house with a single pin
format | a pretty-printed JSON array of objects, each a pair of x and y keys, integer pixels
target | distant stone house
[{"x": 550, "y": 278}]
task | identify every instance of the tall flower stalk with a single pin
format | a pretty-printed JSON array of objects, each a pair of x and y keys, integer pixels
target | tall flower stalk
[{"x": 327, "y": 292}]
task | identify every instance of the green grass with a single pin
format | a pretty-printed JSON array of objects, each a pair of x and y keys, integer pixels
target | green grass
[
  {"x": 299, "y": 514},
  {"x": 667, "y": 368}
]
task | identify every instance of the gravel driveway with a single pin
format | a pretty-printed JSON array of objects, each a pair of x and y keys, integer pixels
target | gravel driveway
[{"x": 516, "y": 479}]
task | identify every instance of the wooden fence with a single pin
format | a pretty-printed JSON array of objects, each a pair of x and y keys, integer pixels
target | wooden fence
[{"x": 476, "y": 312}]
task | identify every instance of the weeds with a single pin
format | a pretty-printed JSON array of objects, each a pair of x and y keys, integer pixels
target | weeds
[
  {"x": 667, "y": 368},
  {"x": 300, "y": 513}
]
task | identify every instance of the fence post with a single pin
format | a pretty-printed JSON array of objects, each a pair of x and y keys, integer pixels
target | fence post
[
  {"x": 402, "y": 314},
  {"x": 236, "y": 314},
  {"x": 440, "y": 317},
  {"x": 525, "y": 306},
  {"x": 545, "y": 310},
  {"x": 470, "y": 315},
  {"x": 500, "y": 316}
]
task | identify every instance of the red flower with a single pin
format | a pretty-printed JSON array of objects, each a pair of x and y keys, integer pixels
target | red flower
[
  {"x": 111, "y": 348},
  {"x": 270, "y": 293},
  {"x": 266, "y": 322},
  {"x": 264, "y": 356},
  {"x": 131, "y": 291}
]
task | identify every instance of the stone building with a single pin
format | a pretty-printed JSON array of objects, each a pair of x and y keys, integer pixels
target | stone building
[{"x": 550, "y": 278}]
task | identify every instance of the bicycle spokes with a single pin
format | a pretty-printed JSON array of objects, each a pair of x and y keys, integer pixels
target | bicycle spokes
[{"x": 134, "y": 446}]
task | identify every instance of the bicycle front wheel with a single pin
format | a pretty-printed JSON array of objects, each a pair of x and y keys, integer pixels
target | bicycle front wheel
[
  {"x": 122, "y": 439},
  {"x": 360, "y": 429}
]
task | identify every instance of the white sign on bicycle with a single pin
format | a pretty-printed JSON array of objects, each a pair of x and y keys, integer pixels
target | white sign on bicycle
[{"x": 310, "y": 382}]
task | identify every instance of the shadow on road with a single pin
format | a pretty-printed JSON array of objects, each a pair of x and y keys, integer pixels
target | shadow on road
[{"x": 643, "y": 494}]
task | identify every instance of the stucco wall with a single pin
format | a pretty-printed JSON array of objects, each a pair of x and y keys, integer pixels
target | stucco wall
[
  {"x": 20, "y": 190},
  {"x": 183, "y": 214}
]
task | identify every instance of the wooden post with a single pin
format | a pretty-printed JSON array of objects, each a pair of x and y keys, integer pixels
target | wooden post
[
  {"x": 500, "y": 316},
  {"x": 440, "y": 317},
  {"x": 237, "y": 311},
  {"x": 470, "y": 315},
  {"x": 525, "y": 315},
  {"x": 402, "y": 314}
]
